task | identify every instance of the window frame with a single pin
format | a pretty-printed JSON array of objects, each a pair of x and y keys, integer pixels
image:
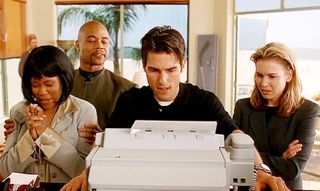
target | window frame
[{"x": 70, "y": 2}]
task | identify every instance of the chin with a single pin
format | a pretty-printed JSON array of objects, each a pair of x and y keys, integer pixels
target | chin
[{"x": 165, "y": 99}]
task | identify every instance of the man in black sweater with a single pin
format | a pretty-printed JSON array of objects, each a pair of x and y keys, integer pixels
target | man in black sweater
[{"x": 166, "y": 98}]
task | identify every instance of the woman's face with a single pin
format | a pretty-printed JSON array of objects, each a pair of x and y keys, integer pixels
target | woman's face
[
  {"x": 47, "y": 91},
  {"x": 271, "y": 78}
]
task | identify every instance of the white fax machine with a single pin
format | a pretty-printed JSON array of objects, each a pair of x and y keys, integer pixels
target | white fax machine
[{"x": 170, "y": 155}]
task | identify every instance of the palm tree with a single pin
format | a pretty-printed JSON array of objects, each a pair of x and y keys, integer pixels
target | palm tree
[{"x": 109, "y": 15}]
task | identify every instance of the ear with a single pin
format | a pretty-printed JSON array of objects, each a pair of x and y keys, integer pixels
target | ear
[
  {"x": 77, "y": 45},
  {"x": 144, "y": 67},
  {"x": 289, "y": 76},
  {"x": 183, "y": 64}
]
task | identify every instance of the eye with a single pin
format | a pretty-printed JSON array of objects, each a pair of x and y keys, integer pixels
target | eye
[
  {"x": 34, "y": 85},
  {"x": 172, "y": 69},
  {"x": 91, "y": 40},
  {"x": 258, "y": 75},
  {"x": 152, "y": 69},
  {"x": 272, "y": 76}
]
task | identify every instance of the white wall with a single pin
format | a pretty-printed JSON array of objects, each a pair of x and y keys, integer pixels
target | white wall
[
  {"x": 42, "y": 20},
  {"x": 214, "y": 17},
  {"x": 206, "y": 17}
]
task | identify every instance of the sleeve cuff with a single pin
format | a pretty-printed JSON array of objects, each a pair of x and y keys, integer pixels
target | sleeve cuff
[
  {"x": 25, "y": 147},
  {"x": 49, "y": 142}
]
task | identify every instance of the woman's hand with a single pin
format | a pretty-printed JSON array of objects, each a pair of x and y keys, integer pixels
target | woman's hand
[
  {"x": 293, "y": 148},
  {"x": 35, "y": 120}
]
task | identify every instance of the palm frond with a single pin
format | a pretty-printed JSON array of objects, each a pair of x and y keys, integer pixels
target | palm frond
[
  {"x": 109, "y": 15},
  {"x": 72, "y": 15}
]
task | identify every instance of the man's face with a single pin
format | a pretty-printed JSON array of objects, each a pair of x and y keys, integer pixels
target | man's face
[
  {"x": 163, "y": 75},
  {"x": 93, "y": 44},
  {"x": 33, "y": 43}
]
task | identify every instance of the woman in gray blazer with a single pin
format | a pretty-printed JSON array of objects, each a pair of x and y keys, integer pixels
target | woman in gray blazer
[
  {"x": 46, "y": 140},
  {"x": 281, "y": 122}
]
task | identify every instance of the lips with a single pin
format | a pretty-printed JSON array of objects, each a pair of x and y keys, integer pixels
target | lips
[
  {"x": 44, "y": 101},
  {"x": 163, "y": 89},
  {"x": 265, "y": 92},
  {"x": 99, "y": 54}
]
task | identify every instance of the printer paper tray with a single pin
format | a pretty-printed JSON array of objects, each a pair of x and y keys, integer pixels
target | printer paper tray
[{"x": 157, "y": 178}]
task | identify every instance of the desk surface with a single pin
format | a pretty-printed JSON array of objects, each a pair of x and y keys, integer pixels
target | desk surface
[
  {"x": 43, "y": 187},
  {"x": 58, "y": 186},
  {"x": 51, "y": 186}
]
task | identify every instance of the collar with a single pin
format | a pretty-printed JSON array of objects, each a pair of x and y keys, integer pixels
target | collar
[
  {"x": 87, "y": 75},
  {"x": 163, "y": 103},
  {"x": 66, "y": 107}
]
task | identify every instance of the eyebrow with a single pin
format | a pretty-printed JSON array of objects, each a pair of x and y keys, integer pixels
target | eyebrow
[
  {"x": 274, "y": 73},
  {"x": 93, "y": 36},
  {"x": 155, "y": 68},
  {"x": 171, "y": 68}
]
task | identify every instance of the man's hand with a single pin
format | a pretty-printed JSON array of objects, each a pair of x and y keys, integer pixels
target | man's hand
[
  {"x": 293, "y": 148},
  {"x": 9, "y": 126},
  {"x": 265, "y": 180},
  {"x": 88, "y": 132},
  {"x": 77, "y": 183},
  {"x": 1, "y": 149}
]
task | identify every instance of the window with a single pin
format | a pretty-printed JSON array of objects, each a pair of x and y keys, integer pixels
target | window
[
  {"x": 296, "y": 29},
  {"x": 299, "y": 3},
  {"x": 254, "y": 5},
  {"x": 145, "y": 17}
]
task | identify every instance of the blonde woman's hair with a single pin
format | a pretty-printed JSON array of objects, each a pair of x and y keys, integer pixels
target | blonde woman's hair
[{"x": 291, "y": 98}]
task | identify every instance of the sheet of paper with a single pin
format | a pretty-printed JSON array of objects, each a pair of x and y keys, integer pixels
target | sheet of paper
[
  {"x": 22, "y": 181},
  {"x": 21, "y": 178}
]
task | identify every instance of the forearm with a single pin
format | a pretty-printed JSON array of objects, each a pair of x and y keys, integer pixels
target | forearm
[
  {"x": 16, "y": 158},
  {"x": 72, "y": 163},
  {"x": 55, "y": 147},
  {"x": 285, "y": 168}
]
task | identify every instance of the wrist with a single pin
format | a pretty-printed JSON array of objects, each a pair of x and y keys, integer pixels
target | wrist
[{"x": 262, "y": 167}]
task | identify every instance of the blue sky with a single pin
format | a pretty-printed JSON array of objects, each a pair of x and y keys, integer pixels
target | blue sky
[{"x": 154, "y": 15}]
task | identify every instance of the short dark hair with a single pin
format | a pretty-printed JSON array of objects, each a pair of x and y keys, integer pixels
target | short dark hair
[
  {"x": 48, "y": 61},
  {"x": 163, "y": 40}
]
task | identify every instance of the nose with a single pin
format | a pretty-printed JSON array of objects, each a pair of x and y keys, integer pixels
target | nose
[
  {"x": 100, "y": 44},
  {"x": 42, "y": 90},
  {"x": 163, "y": 78},
  {"x": 264, "y": 82}
]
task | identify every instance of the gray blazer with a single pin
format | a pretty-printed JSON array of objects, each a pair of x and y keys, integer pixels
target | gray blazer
[
  {"x": 273, "y": 139},
  {"x": 58, "y": 154}
]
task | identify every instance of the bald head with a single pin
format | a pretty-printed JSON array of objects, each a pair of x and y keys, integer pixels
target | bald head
[
  {"x": 93, "y": 25},
  {"x": 93, "y": 45}
]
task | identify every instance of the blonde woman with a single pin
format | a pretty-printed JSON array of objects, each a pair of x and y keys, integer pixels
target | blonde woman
[{"x": 281, "y": 122}]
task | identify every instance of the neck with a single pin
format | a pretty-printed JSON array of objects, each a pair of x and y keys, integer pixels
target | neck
[
  {"x": 50, "y": 111},
  {"x": 90, "y": 68},
  {"x": 49, "y": 115},
  {"x": 272, "y": 104}
]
